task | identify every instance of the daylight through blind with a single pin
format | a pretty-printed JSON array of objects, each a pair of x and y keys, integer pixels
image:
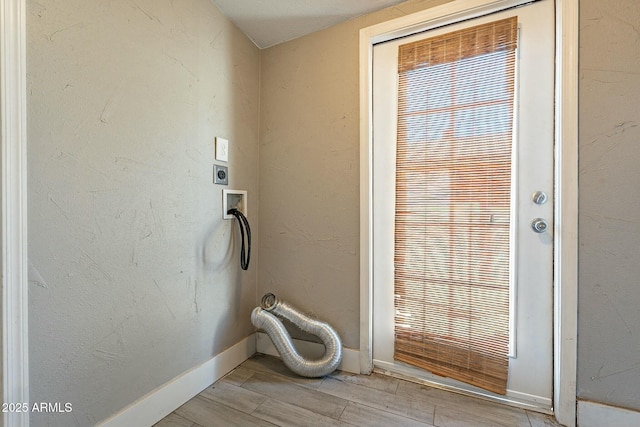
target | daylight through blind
[{"x": 453, "y": 201}]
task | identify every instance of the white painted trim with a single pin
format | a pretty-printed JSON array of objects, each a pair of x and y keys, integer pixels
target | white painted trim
[
  {"x": 434, "y": 17},
  {"x": 366, "y": 200},
  {"x": 566, "y": 204},
  {"x": 566, "y": 222},
  {"x": 160, "y": 402},
  {"x": 592, "y": 414},
  {"x": 15, "y": 365},
  {"x": 399, "y": 27},
  {"x": 350, "y": 358}
]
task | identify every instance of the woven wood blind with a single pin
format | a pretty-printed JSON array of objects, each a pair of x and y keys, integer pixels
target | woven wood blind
[{"x": 453, "y": 200}]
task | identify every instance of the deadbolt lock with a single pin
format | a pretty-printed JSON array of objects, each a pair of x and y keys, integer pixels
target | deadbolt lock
[{"x": 539, "y": 197}]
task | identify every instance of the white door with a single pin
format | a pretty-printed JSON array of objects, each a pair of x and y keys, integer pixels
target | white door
[{"x": 531, "y": 309}]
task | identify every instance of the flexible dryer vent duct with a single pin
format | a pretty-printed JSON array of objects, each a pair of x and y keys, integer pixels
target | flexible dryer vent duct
[{"x": 264, "y": 318}]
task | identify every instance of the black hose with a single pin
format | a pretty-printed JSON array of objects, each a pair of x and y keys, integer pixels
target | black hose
[{"x": 245, "y": 256}]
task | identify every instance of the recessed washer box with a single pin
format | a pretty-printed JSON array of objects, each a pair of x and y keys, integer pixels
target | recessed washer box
[{"x": 234, "y": 199}]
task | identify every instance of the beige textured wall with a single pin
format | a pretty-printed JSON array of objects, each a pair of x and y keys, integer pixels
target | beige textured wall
[
  {"x": 609, "y": 294},
  {"x": 132, "y": 281},
  {"x": 131, "y": 276},
  {"x": 309, "y": 173}
]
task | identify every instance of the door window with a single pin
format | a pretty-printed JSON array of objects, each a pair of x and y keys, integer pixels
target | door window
[{"x": 453, "y": 203}]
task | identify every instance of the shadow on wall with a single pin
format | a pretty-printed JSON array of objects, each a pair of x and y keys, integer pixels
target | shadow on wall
[{"x": 217, "y": 257}]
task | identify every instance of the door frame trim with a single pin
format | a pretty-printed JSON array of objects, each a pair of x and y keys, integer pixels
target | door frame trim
[
  {"x": 565, "y": 179},
  {"x": 15, "y": 283}
]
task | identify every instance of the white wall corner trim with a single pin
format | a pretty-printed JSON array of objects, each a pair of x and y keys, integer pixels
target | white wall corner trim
[
  {"x": 592, "y": 414},
  {"x": 566, "y": 223},
  {"x": 350, "y": 358},
  {"x": 160, "y": 402},
  {"x": 15, "y": 365}
]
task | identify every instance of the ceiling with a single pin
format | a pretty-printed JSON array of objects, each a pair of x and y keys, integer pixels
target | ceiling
[{"x": 269, "y": 22}]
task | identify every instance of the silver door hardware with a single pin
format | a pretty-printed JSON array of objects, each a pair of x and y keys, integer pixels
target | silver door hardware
[
  {"x": 539, "y": 225},
  {"x": 539, "y": 197}
]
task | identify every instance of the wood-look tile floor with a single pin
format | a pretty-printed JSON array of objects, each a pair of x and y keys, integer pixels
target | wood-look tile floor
[{"x": 263, "y": 392}]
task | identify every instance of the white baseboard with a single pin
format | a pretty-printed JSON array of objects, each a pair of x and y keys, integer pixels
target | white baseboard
[
  {"x": 350, "y": 358},
  {"x": 592, "y": 414},
  {"x": 159, "y": 403}
]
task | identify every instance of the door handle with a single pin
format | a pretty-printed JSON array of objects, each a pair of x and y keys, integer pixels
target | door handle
[{"x": 539, "y": 225}]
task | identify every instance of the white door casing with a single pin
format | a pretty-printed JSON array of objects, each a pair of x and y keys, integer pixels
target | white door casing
[
  {"x": 15, "y": 367},
  {"x": 530, "y": 367},
  {"x": 565, "y": 181}
]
